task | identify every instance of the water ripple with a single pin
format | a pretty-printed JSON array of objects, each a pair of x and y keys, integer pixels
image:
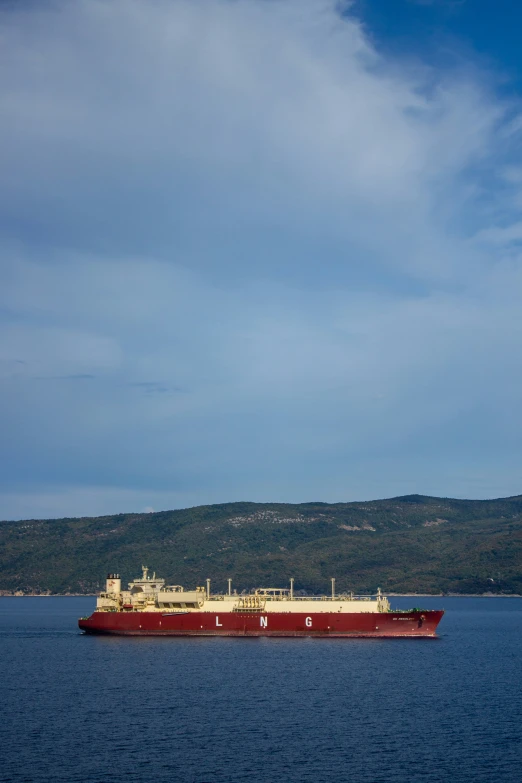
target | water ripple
[{"x": 84, "y": 709}]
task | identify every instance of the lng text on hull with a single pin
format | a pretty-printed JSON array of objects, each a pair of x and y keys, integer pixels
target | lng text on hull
[{"x": 150, "y": 607}]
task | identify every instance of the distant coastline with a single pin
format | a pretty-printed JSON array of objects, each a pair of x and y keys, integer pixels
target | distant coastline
[
  {"x": 18, "y": 594},
  {"x": 453, "y": 595},
  {"x": 413, "y": 545}
]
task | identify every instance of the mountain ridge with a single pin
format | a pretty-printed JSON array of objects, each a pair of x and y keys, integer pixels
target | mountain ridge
[{"x": 405, "y": 544}]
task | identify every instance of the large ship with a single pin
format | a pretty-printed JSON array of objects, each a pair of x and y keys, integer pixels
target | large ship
[{"x": 151, "y": 608}]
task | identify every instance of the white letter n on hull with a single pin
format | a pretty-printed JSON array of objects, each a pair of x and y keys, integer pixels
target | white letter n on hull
[{"x": 264, "y": 622}]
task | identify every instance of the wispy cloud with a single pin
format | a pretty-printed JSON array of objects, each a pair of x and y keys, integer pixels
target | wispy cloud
[
  {"x": 85, "y": 376},
  {"x": 153, "y": 387}
]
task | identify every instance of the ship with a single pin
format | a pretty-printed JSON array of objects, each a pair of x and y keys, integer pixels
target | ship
[{"x": 151, "y": 608}]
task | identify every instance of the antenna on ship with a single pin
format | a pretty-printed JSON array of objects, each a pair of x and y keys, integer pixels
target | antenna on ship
[
  {"x": 230, "y": 586},
  {"x": 208, "y": 588},
  {"x": 292, "y": 588},
  {"x": 333, "y": 589}
]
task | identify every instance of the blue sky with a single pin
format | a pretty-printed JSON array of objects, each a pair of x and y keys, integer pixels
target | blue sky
[{"x": 259, "y": 250}]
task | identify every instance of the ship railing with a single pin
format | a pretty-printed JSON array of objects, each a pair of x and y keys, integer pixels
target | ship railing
[
  {"x": 220, "y": 597},
  {"x": 340, "y": 597},
  {"x": 287, "y": 597},
  {"x": 268, "y": 597}
]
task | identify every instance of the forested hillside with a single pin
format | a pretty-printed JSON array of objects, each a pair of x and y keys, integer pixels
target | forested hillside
[{"x": 406, "y": 544}]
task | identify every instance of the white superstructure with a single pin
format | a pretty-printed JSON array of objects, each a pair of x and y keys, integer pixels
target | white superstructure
[{"x": 150, "y": 594}]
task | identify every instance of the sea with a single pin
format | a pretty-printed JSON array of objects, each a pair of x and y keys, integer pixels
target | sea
[{"x": 93, "y": 709}]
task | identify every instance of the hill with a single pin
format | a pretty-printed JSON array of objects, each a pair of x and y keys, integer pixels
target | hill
[{"x": 405, "y": 544}]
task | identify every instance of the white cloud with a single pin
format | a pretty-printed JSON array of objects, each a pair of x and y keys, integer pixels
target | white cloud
[
  {"x": 246, "y": 256},
  {"x": 151, "y": 121},
  {"x": 502, "y": 236}
]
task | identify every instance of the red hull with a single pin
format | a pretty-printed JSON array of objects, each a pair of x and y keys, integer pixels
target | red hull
[{"x": 258, "y": 624}]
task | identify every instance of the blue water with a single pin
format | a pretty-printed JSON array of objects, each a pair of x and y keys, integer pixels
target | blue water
[{"x": 107, "y": 709}]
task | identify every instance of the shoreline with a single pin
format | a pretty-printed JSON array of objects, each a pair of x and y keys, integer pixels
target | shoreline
[
  {"x": 453, "y": 595},
  {"x": 5, "y": 594},
  {"x": 17, "y": 594}
]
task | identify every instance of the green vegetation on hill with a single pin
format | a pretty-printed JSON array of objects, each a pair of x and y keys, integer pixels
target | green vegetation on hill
[{"x": 406, "y": 544}]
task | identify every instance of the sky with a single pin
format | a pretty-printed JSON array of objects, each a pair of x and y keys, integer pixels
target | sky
[{"x": 264, "y": 250}]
